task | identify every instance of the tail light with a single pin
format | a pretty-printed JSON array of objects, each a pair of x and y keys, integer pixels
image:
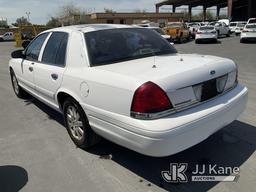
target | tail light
[
  {"x": 149, "y": 100},
  {"x": 245, "y": 30}
]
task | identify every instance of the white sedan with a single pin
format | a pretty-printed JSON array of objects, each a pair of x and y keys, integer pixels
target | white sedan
[
  {"x": 130, "y": 86},
  {"x": 248, "y": 33},
  {"x": 206, "y": 33}
]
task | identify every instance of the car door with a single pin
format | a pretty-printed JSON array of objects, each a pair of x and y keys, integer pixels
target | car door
[
  {"x": 49, "y": 72},
  {"x": 31, "y": 55}
]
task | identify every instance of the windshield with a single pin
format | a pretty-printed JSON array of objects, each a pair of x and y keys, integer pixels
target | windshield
[
  {"x": 206, "y": 28},
  {"x": 252, "y": 21},
  {"x": 251, "y": 26},
  {"x": 212, "y": 23},
  {"x": 233, "y": 24},
  {"x": 240, "y": 24},
  {"x": 174, "y": 25},
  {"x": 117, "y": 45},
  {"x": 160, "y": 31}
]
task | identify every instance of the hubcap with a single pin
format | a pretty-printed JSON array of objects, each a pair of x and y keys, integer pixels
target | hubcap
[
  {"x": 75, "y": 123},
  {"x": 15, "y": 84}
]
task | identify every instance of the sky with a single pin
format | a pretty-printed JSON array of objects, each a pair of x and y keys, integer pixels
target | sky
[{"x": 42, "y": 10}]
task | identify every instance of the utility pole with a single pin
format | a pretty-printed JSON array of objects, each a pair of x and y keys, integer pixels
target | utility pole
[{"x": 28, "y": 14}]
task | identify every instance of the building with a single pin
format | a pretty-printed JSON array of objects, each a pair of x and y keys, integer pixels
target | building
[
  {"x": 135, "y": 18},
  {"x": 237, "y": 9}
]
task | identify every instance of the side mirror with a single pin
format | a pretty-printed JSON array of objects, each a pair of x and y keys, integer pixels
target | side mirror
[
  {"x": 25, "y": 44},
  {"x": 18, "y": 54}
]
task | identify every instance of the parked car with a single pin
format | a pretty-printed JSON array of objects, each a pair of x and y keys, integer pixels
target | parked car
[
  {"x": 193, "y": 27},
  {"x": 178, "y": 31},
  {"x": 161, "y": 32},
  {"x": 206, "y": 34},
  {"x": 251, "y": 21},
  {"x": 239, "y": 28},
  {"x": 221, "y": 28},
  {"x": 8, "y": 36},
  {"x": 248, "y": 33},
  {"x": 158, "y": 30},
  {"x": 226, "y": 21},
  {"x": 236, "y": 25},
  {"x": 130, "y": 86}
]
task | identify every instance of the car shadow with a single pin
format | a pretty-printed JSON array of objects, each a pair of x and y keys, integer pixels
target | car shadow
[
  {"x": 231, "y": 147},
  {"x": 52, "y": 114},
  {"x": 223, "y": 148},
  {"x": 12, "y": 178}
]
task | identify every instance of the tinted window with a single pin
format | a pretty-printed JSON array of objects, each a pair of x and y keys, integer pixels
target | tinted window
[
  {"x": 33, "y": 50},
  {"x": 252, "y": 21},
  {"x": 251, "y": 26},
  {"x": 207, "y": 28},
  {"x": 55, "y": 50},
  {"x": 117, "y": 45}
]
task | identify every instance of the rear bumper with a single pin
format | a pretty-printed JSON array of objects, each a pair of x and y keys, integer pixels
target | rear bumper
[
  {"x": 206, "y": 37},
  {"x": 248, "y": 36},
  {"x": 175, "y": 133}
]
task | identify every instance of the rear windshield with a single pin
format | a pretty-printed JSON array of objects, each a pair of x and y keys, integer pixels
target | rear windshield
[
  {"x": 117, "y": 45},
  {"x": 206, "y": 28},
  {"x": 251, "y": 26},
  {"x": 252, "y": 21}
]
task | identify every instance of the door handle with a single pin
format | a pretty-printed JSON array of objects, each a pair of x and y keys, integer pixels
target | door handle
[
  {"x": 30, "y": 69},
  {"x": 54, "y": 76}
]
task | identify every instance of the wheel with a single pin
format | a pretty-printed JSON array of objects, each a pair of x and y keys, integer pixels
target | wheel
[
  {"x": 196, "y": 41},
  {"x": 237, "y": 34},
  {"x": 228, "y": 35},
  {"x": 218, "y": 34},
  {"x": 78, "y": 125},
  {"x": 241, "y": 41},
  {"x": 19, "y": 92}
]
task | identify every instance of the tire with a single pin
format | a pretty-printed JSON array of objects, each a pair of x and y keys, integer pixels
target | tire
[
  {"x": 1, "y": 39},
  {"x": 228, "y": 35},
  {"x": 237, "y": 34},
  {"x": 78, "y": 126},
  {"x": 242, "y": 41},
  {"x": 196, "y": 41},
  {"x": 19, "y": 92},
  {"x": 218, "y": 34}
]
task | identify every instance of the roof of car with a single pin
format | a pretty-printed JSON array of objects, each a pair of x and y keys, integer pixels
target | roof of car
[{"x": 90, "y": 27}]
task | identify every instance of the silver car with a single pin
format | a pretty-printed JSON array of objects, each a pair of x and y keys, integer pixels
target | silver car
[{"x": 206, "y": 33}]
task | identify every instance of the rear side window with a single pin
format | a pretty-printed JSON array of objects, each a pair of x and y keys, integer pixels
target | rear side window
[
  {"x": 55, "y": 50},
  {"x": 34, "y": 48}
]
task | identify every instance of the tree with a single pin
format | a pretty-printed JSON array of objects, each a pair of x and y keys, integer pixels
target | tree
[
  {"x": 69, "y": 10},
  {"x": 53, "y": 22},
  {"x": 3, "y": 24},
  {"x": 109, "y": 10},
  {"x": 21, "y": 21},
  {"x": 140, "y": 10}
]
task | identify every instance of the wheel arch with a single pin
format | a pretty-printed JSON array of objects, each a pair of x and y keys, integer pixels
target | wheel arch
[{"x": 62, "y": 95}]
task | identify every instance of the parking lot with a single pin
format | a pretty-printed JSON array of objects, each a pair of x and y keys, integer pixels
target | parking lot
[{"x": 36, "y": 153}]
